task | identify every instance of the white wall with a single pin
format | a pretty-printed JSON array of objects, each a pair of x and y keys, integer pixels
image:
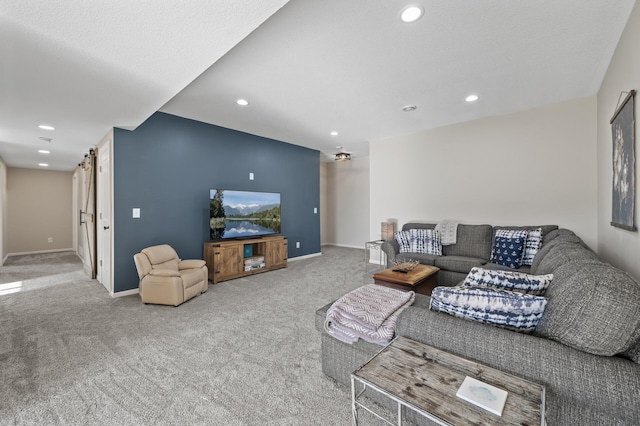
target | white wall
[
  {"x": 619, "y": 247},
  {"x": 344, "y": 203},
  {"x": 3, "y": 211},
  {"x": 529, "y": 168}
]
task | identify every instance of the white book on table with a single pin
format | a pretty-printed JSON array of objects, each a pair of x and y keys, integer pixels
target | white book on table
[{"x": 483, "y": 395}]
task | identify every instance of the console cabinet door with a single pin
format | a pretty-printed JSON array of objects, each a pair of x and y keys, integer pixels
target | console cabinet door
[
  {"x": 277, "y": 253},
  {"x": 227, "y": 261}
]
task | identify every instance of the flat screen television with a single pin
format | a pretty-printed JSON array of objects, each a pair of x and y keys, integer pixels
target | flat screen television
[{"x": 243, "y": 214}]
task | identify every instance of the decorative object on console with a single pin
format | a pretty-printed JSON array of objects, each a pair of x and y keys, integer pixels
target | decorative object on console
[
  {"x": 483, "y": 395},
  {"x": 624, "y": 191},
  {"x": 508, "y": 246},
  {"x": 404, "y": 266}
]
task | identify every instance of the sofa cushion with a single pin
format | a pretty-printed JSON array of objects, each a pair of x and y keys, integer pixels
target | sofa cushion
[
  {"x": 162, "y": 256},
  {"x": 471, "y": 241},
  {"x": 508, "y": 280},
  {"x": 425, "y": 259},
  {"x": 503, "y": 308},
  {"x": 562, "y": 233},
  {"x": 558, "y": 253},
  {"x": 633, "y": 353},
  {"x": 531, "y": 246},
  {"x": 508, "y": 246},
  {"x": 415, "y": 225},
  {"x": 593, "y": 307},
  {"x": 495, "y": 267},
  {"x": 458, "y": 263}
]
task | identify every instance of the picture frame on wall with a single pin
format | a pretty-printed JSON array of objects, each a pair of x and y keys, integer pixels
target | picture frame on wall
[{"x": 623, "y": 135}]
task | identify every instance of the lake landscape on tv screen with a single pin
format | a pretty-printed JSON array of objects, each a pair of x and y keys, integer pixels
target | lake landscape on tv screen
[{"x": 243, "y": 214}]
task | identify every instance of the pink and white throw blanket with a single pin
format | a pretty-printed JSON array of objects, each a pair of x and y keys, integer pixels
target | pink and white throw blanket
[{"x": 369, "y": 313}]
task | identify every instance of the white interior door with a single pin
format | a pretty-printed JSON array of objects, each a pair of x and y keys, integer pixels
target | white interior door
[
  {"x": 84, "y": 214},
  {"x": 104, "y": 217}
]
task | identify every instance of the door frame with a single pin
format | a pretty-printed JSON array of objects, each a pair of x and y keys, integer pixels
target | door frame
[{"x": 104, "y": 199}]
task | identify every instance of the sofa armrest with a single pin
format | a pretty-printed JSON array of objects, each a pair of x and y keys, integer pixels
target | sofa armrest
[
  {"x": 191, "y": 264},
  {"x": 164, "y": 273},
  {"x": 391, "y": 248},
  {"x": 606, "y": 384}
]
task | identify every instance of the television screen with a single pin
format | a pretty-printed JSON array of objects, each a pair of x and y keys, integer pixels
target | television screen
[{"x": 241, "y": 214}]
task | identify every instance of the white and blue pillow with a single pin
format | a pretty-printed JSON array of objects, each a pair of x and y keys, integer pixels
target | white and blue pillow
[
  {"x": 502, "y": 308},
  {"x": 404, "y": 242},
  {"x": 425, "y": 241},
  {"x": 508, "y": 247},
  {"x": 508, "y": 280},
  {"x": 531, "y": 246}
]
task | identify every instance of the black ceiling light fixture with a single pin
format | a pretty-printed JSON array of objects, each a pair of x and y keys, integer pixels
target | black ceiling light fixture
[{"x": 342, "y": 156}]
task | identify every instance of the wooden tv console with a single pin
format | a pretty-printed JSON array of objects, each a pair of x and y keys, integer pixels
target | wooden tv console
[{"x": 231, "y": 259}]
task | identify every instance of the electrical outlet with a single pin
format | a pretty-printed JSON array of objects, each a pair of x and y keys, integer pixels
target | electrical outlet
[
  {"x": 315, "y": 210},
  {"x": 297, "y": 244},
  {"x": 251, "y": 176},
  {"x": 50, "y": 239}
]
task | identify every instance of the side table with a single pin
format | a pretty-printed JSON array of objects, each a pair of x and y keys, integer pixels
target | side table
[
  {"x": 425, "y": 379},
  {"x": 376, "y": 246}
]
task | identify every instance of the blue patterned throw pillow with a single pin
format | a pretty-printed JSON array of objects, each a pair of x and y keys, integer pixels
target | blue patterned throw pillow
[
  {"x": 531, "y": 246},
  {"x": 502, "y": 308},
  {"x": 508, "y": 280},
  {"x": 508, "y": 246},
  {"x": 404, "y": 241},
  {"x": 425, "y": 241}
]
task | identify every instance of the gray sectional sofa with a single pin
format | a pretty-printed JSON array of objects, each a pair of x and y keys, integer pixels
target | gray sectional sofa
[
  {"x": 585, "y": 350},
  {"x": 472, "y": 248}
]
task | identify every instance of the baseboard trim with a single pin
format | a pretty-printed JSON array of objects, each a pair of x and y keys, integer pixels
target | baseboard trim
[
  {"x": 38, "y": 252},
  {"x": 306, "y": 256},
  {"x": 125, "y": 293},
  {"x": 344, "y": 245}
]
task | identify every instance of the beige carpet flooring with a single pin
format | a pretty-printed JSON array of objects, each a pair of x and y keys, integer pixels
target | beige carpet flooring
[{"x": 244, "y": 353}]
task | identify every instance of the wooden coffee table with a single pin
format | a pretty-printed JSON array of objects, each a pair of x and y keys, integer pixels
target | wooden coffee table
[
  {"x": 421, "y": 279},
  {"x": 425, "y": 379}
]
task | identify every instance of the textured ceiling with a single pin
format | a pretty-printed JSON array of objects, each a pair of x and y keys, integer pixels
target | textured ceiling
[{"x": 308, "y": 68}]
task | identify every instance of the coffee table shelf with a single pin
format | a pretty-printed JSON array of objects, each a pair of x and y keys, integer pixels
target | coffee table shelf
[{"x": 425, "y": 379}]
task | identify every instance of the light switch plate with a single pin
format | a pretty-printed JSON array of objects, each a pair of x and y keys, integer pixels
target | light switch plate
[
  {"x": 136, "y": 213},
  {"x": 250, "y": 176}
]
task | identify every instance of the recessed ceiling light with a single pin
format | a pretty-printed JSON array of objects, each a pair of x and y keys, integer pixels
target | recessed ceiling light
[
  {"x": 44, "y": 151},
  {"x": 334, "y": 133},
  {"x": 242, "y": 102},
  {"x": 45, "y": 127},
  {"x": 43, "y": 165},
  {"x": 411, "y": 14},
  {"x": 471, "y": 98},
  {"x": 409, "y": 108}
]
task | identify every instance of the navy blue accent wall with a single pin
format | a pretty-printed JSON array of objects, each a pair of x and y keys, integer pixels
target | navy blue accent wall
[{"x": 168, "y": 164}]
